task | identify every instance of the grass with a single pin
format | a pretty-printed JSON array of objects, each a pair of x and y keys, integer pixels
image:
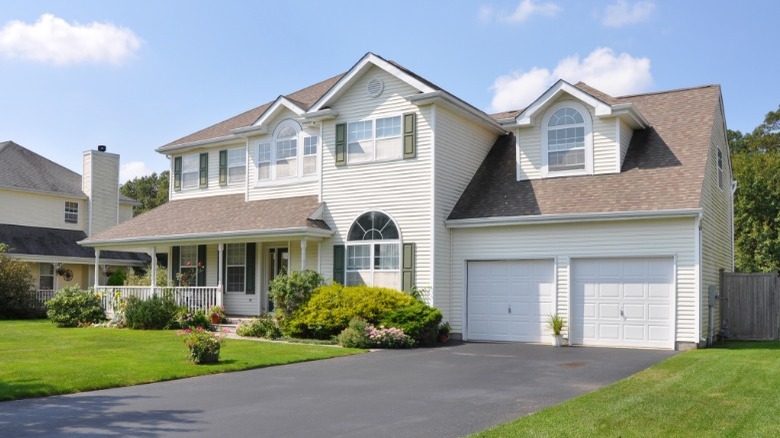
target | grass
[
  {"x": 38, "y": 359},
  {"x": 732, "y": 390}
]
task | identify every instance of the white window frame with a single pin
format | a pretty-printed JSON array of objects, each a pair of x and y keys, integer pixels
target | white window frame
[
  {"x": 193, "y": 259},
  {"x": 193, "y": 160},
  {"x": 71, "y": 212},
  {"x": 719, "y": 158},
  {"x": 241, "y": 152},
  {"x": 230, "y": 247},
  {"x": 375, "y": 138},
  {"x": 42, "y": 275},
  {"x": 588, "y": 124},
  {"x": 301, "y": 139},
  {"x": 350, "y": 246}
]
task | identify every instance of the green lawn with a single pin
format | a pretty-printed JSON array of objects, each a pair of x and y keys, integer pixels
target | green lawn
[
  {"x": 39, "y": 359},
  {"x": 726, "y": 391}
]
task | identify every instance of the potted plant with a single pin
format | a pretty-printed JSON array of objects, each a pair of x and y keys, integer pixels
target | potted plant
[
  {"x": 216, "y": 313},
  {"x": 204, "y": 345},
  {"x": 444, "y": 332},
  {"x": 556, "y": 324}
]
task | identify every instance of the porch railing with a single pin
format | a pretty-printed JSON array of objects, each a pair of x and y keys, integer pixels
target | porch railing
[
  {"x": 44, "y": 295},
  {"x": 193, "y": 297}
]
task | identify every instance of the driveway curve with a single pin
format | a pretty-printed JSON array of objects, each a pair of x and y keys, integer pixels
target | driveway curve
[{"x": 437, "y": 392}]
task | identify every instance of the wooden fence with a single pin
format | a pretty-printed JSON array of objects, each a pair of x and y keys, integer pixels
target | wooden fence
[{"x": 750, "y": 306}]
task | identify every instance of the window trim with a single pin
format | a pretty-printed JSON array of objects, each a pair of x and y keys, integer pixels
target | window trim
[
  {"x": 228, "y": 266},
  {"x": 300, "y": 155},
  {"x": 587, "y": 118},
  {"x": 41, "y": 275},
  {"x": 242, "y": 150},
  {"x": 193, "y": 266},
  {"x": 372, "y": 244},
  {"x": 374, "y": 138},
  {"x": 71, "y": 212},
  {"x": 195, "y": 158},
  {"x": 719, "y": 164}
]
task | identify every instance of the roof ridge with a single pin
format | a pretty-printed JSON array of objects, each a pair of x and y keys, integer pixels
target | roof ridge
[{"x": 673, "y": 90}]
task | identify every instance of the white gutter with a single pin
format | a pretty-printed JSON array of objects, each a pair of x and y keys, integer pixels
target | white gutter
[
  {"x": 72, "y": 260},
  {"x": 565, "y": 218},
  {"x": 208, "y": 141},
  {"x": 209, "y": 237},
  {"x": 246, "y": 131},
  {"x": 45, "y": 192},
  {"x": 444, "y": 97},
  {"x": 323, "y": 114}
]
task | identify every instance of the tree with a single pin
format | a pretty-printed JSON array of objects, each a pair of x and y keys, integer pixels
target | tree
[
  {"x": 151, "y": 191},
  {"x": 16, "y": 289},
  {"x": 756, "y": 167}
]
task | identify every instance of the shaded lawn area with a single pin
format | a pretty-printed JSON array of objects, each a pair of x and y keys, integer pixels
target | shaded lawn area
[
  {"x": 733, "y": 390},
  {"x": 39, "y": 359}
]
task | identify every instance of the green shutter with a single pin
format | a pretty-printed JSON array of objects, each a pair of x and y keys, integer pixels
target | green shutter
[
  {"x": 341, "y": 144},
  {"x": 410, "y": 135},
  {"x": 407, "y": 265},
  {"x": 251, "y": 249},
  {"x": 201, "y": 263},
  {"x": 175, "y": 263},
  {"x": 177, "y": 173},
  {"x": 339, "y": 272},
  {"x": 223, "y": 168},
  {"x": 204, "y": 169}
]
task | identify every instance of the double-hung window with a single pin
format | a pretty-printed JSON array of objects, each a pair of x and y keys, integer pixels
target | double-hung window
[
  {"x": 190, "y": 169},
  {"x": 288, "y": 154},
  {"x": 373, "y": 251},
  {"x": 46, "y": 276},
  {"x": 71, "y": 212},
  {"x": 567, "y": 141},
  {"x": 371, "y": 140},
  {"x": 236, "y": 165},
  {"x": 188, "y": 265},
  {"x": 235, "y": 267}
]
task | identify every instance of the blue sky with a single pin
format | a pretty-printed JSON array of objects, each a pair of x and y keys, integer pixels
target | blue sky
[{"x": 136, "y": 75}]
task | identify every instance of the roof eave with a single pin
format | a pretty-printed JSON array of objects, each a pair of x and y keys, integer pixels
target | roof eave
[
  {"x": 500, "y": 221},
  {"x": 208, "y": 237},
  {"x": 442, "y": 97},
  {"x": 197, "y": 143}
]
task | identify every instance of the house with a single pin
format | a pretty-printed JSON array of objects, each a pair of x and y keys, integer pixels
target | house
[
  {"x": 48, "y": 208},
  {"x": 612, "y": 211}
]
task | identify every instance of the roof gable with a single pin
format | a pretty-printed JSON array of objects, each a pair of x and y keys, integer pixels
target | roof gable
[{"x": 559, "y": 88}]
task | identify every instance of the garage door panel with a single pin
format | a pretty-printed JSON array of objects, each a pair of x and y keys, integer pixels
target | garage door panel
[
  {"x": 519, "y": 294},
  {"x": 642, "y": 288}
]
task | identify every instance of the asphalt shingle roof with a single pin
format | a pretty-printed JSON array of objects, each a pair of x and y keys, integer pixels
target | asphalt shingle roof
[
  {"x": 663, "y": 168},
  {"x": 214, "y": 215}
]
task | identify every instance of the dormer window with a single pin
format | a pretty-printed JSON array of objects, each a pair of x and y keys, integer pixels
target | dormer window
[{"x": 567, "y": 141}]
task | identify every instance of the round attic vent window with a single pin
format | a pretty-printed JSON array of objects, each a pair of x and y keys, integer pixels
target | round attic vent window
[{"x": 375, "y": 87}]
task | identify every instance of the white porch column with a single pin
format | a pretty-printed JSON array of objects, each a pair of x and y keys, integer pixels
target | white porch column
[
  {"x": 153, "y": 254},
  {"x": 56, "y": 284},
  {"x": 303, "y": 254},
  {"x": 220, "y": 249},
  {"x": 97, "y": 268}
]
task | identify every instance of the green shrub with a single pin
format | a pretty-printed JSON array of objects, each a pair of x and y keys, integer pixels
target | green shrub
[
  {"x": 418, "y": 320},
  {"x": 156, "y": 313},
  {"x": 263, "y": 326},
  {"x": 71, "y": 307},
  {"x": 292, "y": 291},
  {"x": 330, "y": 309},
  {"x": 186, "y": 319},
  {"x": 355, "y": 336},
  {"x": 117, "y": 278},
  {"x": 16, "y": 289},
  {"x": 145, "y": 278}
]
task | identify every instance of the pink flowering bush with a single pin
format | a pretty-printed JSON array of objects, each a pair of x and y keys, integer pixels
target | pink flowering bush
[
  {"x": 204, "y": 345},
  {"x": 360, "y": 334}
]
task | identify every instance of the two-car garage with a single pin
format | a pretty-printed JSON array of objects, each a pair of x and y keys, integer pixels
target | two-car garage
[{"x": 617, "y": 302}]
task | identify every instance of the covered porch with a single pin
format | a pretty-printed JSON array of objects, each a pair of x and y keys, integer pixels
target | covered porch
[{"x": 226, "y": 254}]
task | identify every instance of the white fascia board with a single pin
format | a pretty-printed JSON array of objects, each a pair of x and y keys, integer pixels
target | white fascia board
[
  {"x": 34, "y": 258},
  {"x": 629, "y": 113},
  {"x": 277, "y": 233},
  {"x": 323, "y": 114},
  {"x": 448, "y": 100},
  {"x": 45, "y": 192},
  {"x": 568, "y": 218},
  {"x": 280, "y": 102},
  {"x": 524, "y": 118},
  {"x": 365, "y": 62},
  {"x": 199, "y": 143}
]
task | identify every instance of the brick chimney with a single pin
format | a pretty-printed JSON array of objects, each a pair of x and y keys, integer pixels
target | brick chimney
[{"x": 100, "y": 182}]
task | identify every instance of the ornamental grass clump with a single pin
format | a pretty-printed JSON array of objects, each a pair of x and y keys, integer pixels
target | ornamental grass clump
[{"x": 204, "y": 345}]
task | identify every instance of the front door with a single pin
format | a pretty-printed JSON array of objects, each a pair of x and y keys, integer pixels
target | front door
[{"x": 278, "y": 263}]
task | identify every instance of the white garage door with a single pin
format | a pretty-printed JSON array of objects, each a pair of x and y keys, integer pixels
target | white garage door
[
  {"x": 509, "y": 300},
  {"x": 623, "y": 302}
]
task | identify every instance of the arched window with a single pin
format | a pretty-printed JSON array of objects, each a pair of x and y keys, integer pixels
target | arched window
[
  {"x": 373, "y": 251},
  {"x": 567, "y": 140},
  {"x": 286, "y": 147},
  {"x": 282, "y": 156}
]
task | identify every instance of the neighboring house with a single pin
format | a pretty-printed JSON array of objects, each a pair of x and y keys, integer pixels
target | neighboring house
[
  {"x": 47, "y": 209},
  {"x": 613, "y": 211}
]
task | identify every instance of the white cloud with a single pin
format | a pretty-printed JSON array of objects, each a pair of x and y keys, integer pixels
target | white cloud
[
  {"x": 54, "y": 40},
  {"x": 523, "y": 12},
  {"x": 133, "y": 169},
  {"x": 622, "y": 13},
  {"x": 602, "y": 69}
]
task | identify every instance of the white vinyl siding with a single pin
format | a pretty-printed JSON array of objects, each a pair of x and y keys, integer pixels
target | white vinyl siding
[
  {"x": 49, "y": 210},
  {"x": 625, "y": 139},
  {"x": 529, "y": 153},
  {"x": 461, "y": 146},
  {"x": 605, "y": 157},
  {"x": 399, "y": 188},
  {"x": 564, "y": 242},
  {"x": 716, "y": 250}
]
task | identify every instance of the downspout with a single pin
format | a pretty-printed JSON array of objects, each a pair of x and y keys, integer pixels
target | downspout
[
  {"x": 698, "y": 274},
  {"x": 734, "y": 185}
]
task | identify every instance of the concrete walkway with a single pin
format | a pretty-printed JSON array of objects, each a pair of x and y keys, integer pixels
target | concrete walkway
[{"x": 439, "y": 392}]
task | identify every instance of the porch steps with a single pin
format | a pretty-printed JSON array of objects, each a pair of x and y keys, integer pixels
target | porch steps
[{"x": 231, "y": 323}]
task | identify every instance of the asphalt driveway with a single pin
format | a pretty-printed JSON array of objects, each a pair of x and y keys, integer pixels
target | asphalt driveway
[{"x": 439, "y": 392}]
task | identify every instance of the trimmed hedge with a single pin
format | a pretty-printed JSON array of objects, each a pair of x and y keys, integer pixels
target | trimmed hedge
[
  {"x": 71, "y": 307},
  {"x": 418, "y": 320}
]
